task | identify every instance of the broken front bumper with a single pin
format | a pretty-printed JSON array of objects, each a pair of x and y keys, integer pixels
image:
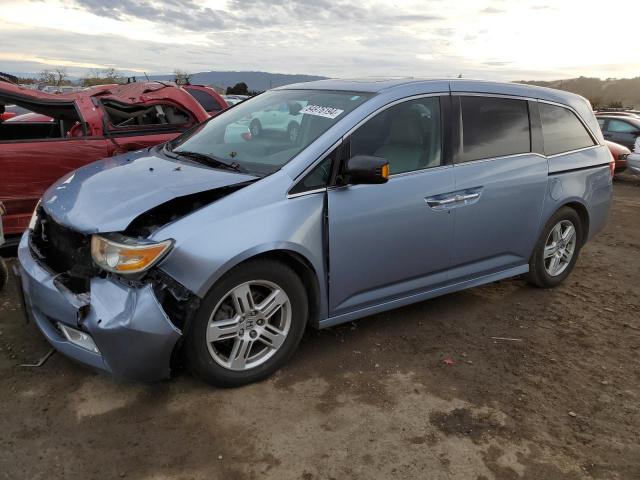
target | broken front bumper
[{"x": 133, "y": 336}]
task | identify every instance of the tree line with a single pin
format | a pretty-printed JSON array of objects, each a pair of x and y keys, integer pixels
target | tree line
[
  {"x": 608, "y": 93},
  {"x": 59, "y": 76}
]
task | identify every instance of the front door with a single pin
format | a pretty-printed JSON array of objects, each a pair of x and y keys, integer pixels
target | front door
[{"x": 392, "y": 240}]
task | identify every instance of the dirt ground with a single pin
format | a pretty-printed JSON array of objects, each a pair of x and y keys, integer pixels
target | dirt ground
[{"x": 420, "y": 392}]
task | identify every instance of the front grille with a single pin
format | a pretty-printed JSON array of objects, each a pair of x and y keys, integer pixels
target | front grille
[{"x": 63, "y": 251}]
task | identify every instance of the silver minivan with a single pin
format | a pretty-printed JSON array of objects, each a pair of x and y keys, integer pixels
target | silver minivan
[{"x": 220, "y": 247}]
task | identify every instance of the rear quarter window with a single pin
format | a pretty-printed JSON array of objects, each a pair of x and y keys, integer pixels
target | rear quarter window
[
  {"x": 494, "y": 127},
  {"x": 207, "y": 101},
  {"x": 562, "y": 131}
]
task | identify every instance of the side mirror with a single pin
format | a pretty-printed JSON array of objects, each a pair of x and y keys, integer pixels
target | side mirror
[{"x": 367, "y": 169}]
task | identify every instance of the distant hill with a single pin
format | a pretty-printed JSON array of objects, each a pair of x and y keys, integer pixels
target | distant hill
[
  {"x": 258, "y": 81},
  {"x": 624, "y": 92}
]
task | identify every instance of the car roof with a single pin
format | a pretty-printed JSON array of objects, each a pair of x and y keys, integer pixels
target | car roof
[
  {"x": 634, "y": 120},
  {"x": 380, "y": 84},
  {"x": 65, "y": 105},
  {"x": 617, "y": 115}
]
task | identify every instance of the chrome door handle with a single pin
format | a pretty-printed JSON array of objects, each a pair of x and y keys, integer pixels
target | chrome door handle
[
  {"x": 453, "y": 201},
  {"x": 439, "y": 203},
  {"x": 433, "y": 202},
  {"x": 468, "y": 196}
]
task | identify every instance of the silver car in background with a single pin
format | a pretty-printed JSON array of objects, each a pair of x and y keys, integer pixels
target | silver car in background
[
  {"x": 392, "y": 192},
  {"x": 633, "y": 163}
]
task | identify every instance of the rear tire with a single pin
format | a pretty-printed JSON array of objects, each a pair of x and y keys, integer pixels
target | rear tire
[
  {"x": 248, "y": 325},
  {"x": 293, "y": 130},
  {"x": 557, "y": 250}
]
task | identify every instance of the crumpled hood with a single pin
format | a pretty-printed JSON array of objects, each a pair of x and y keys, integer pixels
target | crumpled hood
[{"x": 107, "y": 195}]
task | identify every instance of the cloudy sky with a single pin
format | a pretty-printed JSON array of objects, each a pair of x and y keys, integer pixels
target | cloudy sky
[{"x": 492, "y": 39}]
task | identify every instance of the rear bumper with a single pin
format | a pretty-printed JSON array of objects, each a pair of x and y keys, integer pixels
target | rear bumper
[
  {"x": 633, "y": 162},
  {"x": 133, "y": 334}
]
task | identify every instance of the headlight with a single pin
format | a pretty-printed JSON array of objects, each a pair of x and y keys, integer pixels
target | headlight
[
  {"x": 127, "y": 255},
  {"x": 34, "y": 216}
]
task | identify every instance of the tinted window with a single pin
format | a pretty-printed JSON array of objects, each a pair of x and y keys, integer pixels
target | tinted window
[
  {"x": 494, "y": 127},
  {"x": 619, "y": 126},
  {"x": 407, "y": 135},
  {"x": 207, "y": 101},
  {"x": 562, "y": 131},
  {"x": 317, "y": 178},
  {"x": 601, "y": 122}
]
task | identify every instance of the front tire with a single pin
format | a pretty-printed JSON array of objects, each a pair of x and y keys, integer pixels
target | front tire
[
  {"x": 248, "y": 325},
  {"x": 557, "y": 249},
  {"x": 255, "y": 127}
]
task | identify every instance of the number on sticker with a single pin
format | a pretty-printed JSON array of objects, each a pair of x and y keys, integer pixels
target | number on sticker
[{"x": 320, "y": 111}]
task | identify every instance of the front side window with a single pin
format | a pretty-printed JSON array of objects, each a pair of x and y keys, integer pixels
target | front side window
[
  {"x": 41, "y": 122},
  {"x": 407, "y": 135},
  {"x": 562, "y": 131},
  {"x": 493, "y": 127},
  {"x": 122, "y": 115},
  {"x": 263, "y": 133},
  {"x": 619, "y": 126},
  {"x": 316, "y": 178}
]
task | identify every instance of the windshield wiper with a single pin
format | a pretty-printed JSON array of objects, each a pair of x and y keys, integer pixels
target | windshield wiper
[{"x": 210, "y": 159}]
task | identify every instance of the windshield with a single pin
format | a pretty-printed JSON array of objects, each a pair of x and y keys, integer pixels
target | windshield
[{"x": 263, "y": 133}]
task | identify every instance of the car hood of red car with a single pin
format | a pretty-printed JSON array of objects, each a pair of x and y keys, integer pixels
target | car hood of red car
[{"x": 106, "y": 196}]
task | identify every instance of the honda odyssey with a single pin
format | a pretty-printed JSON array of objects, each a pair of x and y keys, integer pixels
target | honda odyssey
[{"x": 221, "y": 246}]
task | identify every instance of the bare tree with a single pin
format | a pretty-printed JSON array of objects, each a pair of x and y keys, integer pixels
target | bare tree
[
  {"x": 47, "y": 77},
  {"x": 182, "y": 77},
  {"x": 61, "y": 76},
  {"x": 101, "y": 77},
  {"x": 56, "y": 77}
]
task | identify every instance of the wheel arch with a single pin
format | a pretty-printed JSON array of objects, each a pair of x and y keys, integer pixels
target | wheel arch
[
  {"x": 309, "y": 274},
  {"x": 583, "y": 213},
  {"x": 305, "y": 270}
]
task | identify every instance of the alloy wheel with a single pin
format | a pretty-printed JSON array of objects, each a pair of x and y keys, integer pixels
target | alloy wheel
[
  {"x": 560, "y": 247},
  {"x": 249, "y": 325}
]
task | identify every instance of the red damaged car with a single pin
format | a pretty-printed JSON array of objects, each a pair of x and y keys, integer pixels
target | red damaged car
[{"x": 82, "y": 127}]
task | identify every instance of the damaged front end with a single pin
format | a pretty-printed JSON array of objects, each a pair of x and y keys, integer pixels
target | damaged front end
[{"x": 129, "y": 322}]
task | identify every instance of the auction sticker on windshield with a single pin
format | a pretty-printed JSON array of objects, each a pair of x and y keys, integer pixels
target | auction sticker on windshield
[{"x": 320, "y": 111}]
